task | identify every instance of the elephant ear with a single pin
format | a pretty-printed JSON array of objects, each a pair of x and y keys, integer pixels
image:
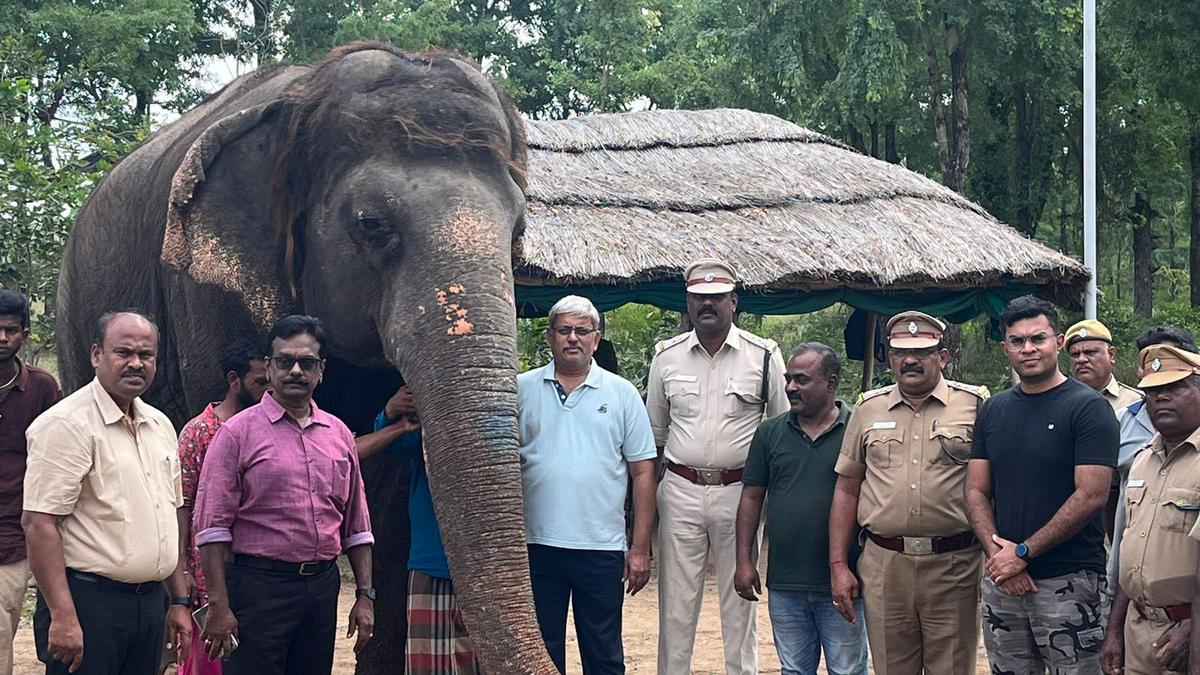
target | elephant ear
[{"x": 218, "y": 229}]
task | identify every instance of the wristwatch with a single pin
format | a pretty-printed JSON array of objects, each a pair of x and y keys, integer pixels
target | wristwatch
[
  {"x": 181, "y": 600},
  {"x": 1023, "y": 551},
  {"x": 368, "y": 593}
]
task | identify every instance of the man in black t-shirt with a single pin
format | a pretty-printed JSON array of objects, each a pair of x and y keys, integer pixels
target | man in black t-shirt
[{"x": 1041, "y": 464}]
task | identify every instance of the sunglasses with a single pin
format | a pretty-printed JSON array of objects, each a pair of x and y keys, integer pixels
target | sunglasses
[{"x": 307, "y": 363}]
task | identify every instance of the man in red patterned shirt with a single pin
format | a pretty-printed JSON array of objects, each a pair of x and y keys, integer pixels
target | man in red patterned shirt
[{"x": 245, "y": 369}]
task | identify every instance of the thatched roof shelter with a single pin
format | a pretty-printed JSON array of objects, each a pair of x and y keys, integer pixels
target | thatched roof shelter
[{"x": 619, "y": 205}]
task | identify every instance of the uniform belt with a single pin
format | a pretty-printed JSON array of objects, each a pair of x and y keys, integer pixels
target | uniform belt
[
  {"x": 925, "y": 545},
  {"x": 137, "y": 589},
  {"x": 1172, "y": 614},
  {"x": 304, "y": 569},
  {"x": 705, "y": 476}
]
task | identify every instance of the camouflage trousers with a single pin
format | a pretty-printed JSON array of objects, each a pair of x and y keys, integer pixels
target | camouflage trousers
[{"x": 1057, "y": 629}]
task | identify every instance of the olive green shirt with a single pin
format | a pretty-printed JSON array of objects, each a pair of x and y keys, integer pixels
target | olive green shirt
[{"x": 798, "y": 474}]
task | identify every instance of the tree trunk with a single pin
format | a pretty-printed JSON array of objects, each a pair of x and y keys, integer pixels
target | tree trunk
[
  {"x": 1026, "y": 114},
  {"x": 933, "y": 63},
  {"x": 1143, "y": 256},
  {"x": 856, "y": 139},
  {"x": 264, "y": 38},
  {"x": 874, "y": 138},
  {"x": 890, "y": 152},
  {"x": 959, "y": 45},
  {"x": 1194, "y": 198}
]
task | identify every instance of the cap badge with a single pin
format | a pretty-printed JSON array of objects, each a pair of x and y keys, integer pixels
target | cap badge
[
  {"x": 708, "y": 277},
  {"x": 1156, "y": 365},
  {"x": 912, "y": 327},
  {"x": 1083, "y": 332}
]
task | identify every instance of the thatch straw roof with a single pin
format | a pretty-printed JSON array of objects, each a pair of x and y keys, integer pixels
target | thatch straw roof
[{"x": 635, "y": 197}]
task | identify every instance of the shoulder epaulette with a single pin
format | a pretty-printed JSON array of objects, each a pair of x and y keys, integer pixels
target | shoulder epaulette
[
  {"x": 765, "y": 343},
  {"x": 670, "y": 342},
  {"x": 977, "y": 389},
  {"x": 1135, "y": 390},
  {"x": 868, "y": 395}
]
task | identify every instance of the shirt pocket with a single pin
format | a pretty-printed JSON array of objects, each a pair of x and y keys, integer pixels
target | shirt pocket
[
  {"x": 884, "y": 446},
  {"x": 953, "y": 445},
  {"x": 1134, "y": 496},
  {"x": 1181, "y": 506},
  {"x": 743, "y": 398},
  {"x": 684, "y": 397},
  {"x": 337, "y": 480}
]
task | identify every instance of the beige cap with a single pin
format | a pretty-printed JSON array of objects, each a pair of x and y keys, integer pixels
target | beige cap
[
  {"x": 709, "y": 275},
  {"x": 914, "y": 330},
  {"x": 1164, "y": 364},
  {"x": 1088, "y": 329}
]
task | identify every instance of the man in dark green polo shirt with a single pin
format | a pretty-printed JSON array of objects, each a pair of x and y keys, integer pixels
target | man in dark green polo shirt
[{"x": 792, "y": 459}]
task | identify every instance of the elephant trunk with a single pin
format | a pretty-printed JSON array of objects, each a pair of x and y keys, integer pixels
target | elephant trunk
[{"x": 457, "y": 349}]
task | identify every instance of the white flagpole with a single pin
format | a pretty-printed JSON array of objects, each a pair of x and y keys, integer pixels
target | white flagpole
[{"x": 1089, "y": 153}]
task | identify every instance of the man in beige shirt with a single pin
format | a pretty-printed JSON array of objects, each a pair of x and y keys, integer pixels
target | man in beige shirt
[
  {"x": 707, "y": 392},
  {"x": 900, "y": 475},
  {"x": 102, "y": 490},
  {"x": 1093, "y": 356},
  {"x": 1158, "y": 562}
]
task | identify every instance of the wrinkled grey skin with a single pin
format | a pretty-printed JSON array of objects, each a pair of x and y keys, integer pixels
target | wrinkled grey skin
[{"x": 405, "y": 253}]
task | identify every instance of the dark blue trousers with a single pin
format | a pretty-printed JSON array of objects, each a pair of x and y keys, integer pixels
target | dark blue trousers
[{"x": 591, "y": 582}]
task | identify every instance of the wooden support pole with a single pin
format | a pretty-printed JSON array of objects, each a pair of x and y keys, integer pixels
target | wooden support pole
[{"x": 868, "y": 372}]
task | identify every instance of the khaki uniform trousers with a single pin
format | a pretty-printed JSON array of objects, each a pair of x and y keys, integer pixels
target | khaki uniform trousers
[
  {"x": 1140, "y": 637},
  {"x": 691, "y": 520},
  {"x": 14, "y": 579},
  {"x": 922, "y": 610}
]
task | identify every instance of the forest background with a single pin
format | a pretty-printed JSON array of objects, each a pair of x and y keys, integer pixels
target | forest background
[{"x": 983, "y": 95}]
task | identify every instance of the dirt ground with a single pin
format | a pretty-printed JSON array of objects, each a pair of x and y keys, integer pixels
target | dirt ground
[{"x": 640, "y": 630}]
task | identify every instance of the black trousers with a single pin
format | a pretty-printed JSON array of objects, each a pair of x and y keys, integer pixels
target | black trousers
[
  {"x": 286, "y": 622},
  {"x": 591, "y": 582},
  {"x": 122, "y": 629}
]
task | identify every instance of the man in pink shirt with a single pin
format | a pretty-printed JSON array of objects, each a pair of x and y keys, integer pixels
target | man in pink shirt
[{"x": 280, "y": 498}]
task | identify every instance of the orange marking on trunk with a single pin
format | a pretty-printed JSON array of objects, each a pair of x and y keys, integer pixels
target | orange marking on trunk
[{"x": 461, "y": 327}]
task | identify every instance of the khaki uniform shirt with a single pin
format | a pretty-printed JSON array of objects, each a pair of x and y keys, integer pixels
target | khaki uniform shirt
[
  {"x": 1162, "y": 499},
  {"x": 704, "y": 409},
  {"x": 912, "y": 462},
  {"x": 1119, "y": 395},
  {"x": 115, "y": 480}
]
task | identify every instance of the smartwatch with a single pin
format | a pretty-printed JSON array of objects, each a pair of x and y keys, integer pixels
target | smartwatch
[
  {"x": 1023, "y": 551},
  {"x": 181, "y": 600},
  {"x": 368, "y": 593}
]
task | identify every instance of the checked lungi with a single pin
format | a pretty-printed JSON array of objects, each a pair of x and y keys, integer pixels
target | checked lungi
[{"x": 438, "y": 643}]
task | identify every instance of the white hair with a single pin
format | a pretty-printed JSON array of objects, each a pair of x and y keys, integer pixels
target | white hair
[{"x": 575, "y": 305}]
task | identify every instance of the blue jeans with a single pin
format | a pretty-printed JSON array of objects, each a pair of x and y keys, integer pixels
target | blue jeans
[{"x": 805, "y": 624}]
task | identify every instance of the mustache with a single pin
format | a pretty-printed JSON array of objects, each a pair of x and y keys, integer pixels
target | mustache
[
  {"x": 140, "y": 372},
  {"x": 707, "y": 310},
  {"x": 912, "y": 368}
]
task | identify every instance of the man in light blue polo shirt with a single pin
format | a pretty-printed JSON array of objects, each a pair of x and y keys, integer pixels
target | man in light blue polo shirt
[{"x": 584, "y": 431}]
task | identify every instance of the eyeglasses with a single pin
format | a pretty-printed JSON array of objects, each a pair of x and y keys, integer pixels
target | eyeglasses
[
  {"x": 581, "y": 332},
  {"x": 1017, "y": 342},
  {"x": 307, "y": 363}
]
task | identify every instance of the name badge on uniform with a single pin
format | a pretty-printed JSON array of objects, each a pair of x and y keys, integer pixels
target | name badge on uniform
[
  {"x": 686, "y": 378},
  {"x": 1136, "y": 483},
  {"x": 889, "y": 424}
]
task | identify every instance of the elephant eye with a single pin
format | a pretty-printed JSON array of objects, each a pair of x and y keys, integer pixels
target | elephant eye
[{"x": 370, "y": 224}]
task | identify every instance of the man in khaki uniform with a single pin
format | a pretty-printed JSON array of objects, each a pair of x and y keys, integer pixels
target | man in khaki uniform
[
  {"x": 1090, "y": 348},
  {"x": 900, "y": 475},
  {"x": 1162, "y": 498},
  {"x": 707, "y": 392}
]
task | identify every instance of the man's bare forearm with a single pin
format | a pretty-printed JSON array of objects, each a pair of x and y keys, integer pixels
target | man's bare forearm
[
  {"x": 1116, "y": 615},
  {"x": 360, "y": 564},
  {"x": 177, "y": 585},
  {"x": 1080, "y": 507},
  {"x": 977, "y": 495},
  {"x": 44, "y": 548},
  {"x": 749, "y": 515},
  {"x": 644, "y": 504},
  {"x": 843, "y": 517},
  {"x": 372, "y": 443},
  {"x": 213, "y": 558}
]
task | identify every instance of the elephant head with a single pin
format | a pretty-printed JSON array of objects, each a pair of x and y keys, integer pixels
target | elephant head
[{"x": 383, "y": 192}]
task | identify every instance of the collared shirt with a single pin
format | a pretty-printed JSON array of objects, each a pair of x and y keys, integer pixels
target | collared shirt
[
  {"x": 912, "y": 462},
  {"x": 32, "y": 393},
  {"x": 1136, "y": 432},
  {"x": 574, "y": 457},
  {"x": 1119, "y": 395},
  {"x": 275, "y": 489},
  {"x": 1162, "y": 500},
  {"x": 797, "y": 472},
  {"x": 194, "y": 440},
  {"x": 115, "y": 479},
  {"x": 704, "y": 408}
]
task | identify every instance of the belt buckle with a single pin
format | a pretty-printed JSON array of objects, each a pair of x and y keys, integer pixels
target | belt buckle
[
  {"x": 708, "y": 476},
  {"x": 306, "y": 571},
  {"x": 918, "y": 545},
  {"x": 1156, "y": 615}
]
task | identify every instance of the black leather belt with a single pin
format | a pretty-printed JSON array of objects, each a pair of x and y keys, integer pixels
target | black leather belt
[
  {"x": 124, "y": 586},
  {"x": 925, "y": 545},
  {"x": 304, "y": 569}
]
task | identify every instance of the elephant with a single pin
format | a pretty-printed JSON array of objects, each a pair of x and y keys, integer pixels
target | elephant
[{"x": 384, "y": 193}]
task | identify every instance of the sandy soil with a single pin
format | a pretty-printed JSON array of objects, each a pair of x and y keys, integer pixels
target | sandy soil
[{"x": 640, "y": 629}]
